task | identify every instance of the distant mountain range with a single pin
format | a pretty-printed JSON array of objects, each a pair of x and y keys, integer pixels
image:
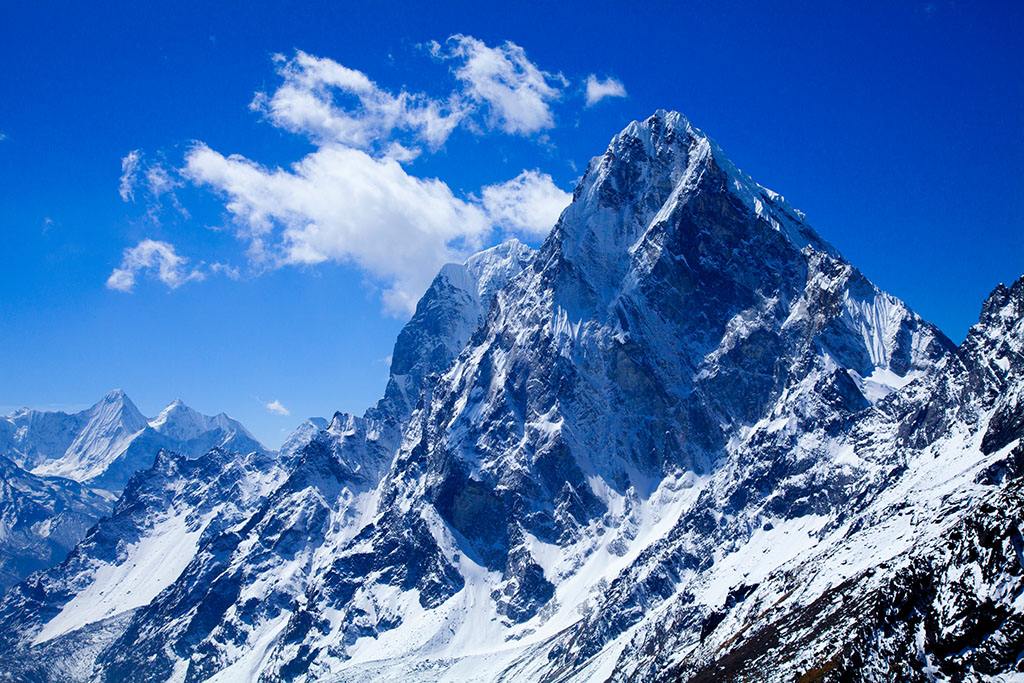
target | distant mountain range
[
  {"x": 63, "y": 471},
  {"x": 683, "y": 440}
]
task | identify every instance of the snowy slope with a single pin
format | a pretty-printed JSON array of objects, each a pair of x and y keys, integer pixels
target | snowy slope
[{"x": 153, "y": 534}]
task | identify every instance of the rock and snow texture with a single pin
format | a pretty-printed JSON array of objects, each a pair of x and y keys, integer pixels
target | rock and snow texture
[
  {"x": 683, "y": 440},
  {"x": 41, "y": 519}
]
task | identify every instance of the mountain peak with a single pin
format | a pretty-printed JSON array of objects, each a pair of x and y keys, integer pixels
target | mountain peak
[
  {"x": 179, "y": 421},
  {"x": 663, "y": 184},
  {"x": 115, "y": 406},
  {"x": 446, "y": 316},
  {"x": 1004, "y": 306}
]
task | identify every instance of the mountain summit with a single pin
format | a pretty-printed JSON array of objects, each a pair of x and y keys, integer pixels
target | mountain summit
[{"x": 683, "y": 440}]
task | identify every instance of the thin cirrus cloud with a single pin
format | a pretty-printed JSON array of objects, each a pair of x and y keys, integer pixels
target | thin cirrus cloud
[
  {"x": 152, "y": 182},
  {"x": 599, "y": 89},
  {"x": 353, "y": 199},
  {"x": 277, "y": 408},
  {"x": 129, "y": 175}
]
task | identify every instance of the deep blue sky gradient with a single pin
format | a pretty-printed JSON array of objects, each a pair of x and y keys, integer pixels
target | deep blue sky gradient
[{"x": 897, "y": 127}]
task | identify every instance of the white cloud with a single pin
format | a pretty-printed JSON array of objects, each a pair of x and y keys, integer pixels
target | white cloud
[
  {"x": 309, "y": 102},
  {"x": 159, "y": 182},
  {"x": 129, "y": 175},
  {"x": 156, "y": 257},
  {"x": 351, "y": 200},
  {"x": 598, "y": 89},
  {"x": 277, "y": 408},
  {"x": 155, "y": 182},
  {"x": 530, "y": 203},
  {"x": 343, "y": 205},
  {"x": 518, "y": 92}
]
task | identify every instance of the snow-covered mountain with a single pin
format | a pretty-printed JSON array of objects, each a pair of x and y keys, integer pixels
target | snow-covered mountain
[
  {"x": 684, "y": 440},
  {"x": 104, "y": 445}
]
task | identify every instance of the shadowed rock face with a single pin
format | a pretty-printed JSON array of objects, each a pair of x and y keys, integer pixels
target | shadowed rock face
[
  {"x": 923, "y": 564},
  {"x": 675, "y": 303},
  {"x": 42, "y": 519},
  {"x": 684, "y": 439}
]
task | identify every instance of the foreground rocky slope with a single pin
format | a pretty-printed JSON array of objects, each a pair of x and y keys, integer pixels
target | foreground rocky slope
[
  {"x": 683, "y": 440},
  {"x": 41, "y": 519}
]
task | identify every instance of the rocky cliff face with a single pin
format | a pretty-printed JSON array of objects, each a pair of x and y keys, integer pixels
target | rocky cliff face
[
  {"x": 41, "y": 519},
  {"x": 914, "y": 578},
  {"x": 684, "y": 440}
]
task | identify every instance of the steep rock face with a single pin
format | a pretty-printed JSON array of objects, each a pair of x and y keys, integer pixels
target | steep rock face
[
  {"x": 919, "y": 577},
  {"x": 452, "y": 308},
  {"x": 41, "y": 519}
]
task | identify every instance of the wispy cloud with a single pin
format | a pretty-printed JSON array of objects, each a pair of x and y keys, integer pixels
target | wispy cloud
[
  {"x": 156, "y": 258},
  {"x": 150, "y": 182},
  {"x": 277, "y": 408},
  {"x": 599, "y": 89},
  {"x": 129, "y": 175}
]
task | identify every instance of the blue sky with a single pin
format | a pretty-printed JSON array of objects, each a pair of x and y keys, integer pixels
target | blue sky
[{"x": 898, "y": 130}]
